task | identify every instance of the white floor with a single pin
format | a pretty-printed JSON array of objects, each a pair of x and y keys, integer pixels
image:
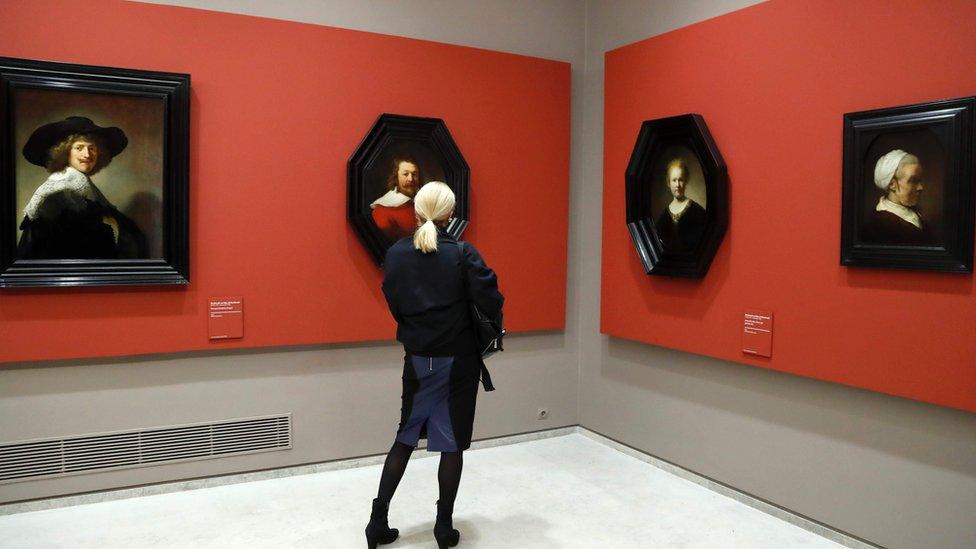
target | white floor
[{"x": 568, "y": 491}]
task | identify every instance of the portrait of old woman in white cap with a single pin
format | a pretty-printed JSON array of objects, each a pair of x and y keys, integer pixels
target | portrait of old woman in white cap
[
  {"x": 899, "y": 177},
  {"x": 68, "y": 217}
]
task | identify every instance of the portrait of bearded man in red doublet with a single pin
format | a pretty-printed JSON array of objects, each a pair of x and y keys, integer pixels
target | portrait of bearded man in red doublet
[{"x": 393, "y": 211}]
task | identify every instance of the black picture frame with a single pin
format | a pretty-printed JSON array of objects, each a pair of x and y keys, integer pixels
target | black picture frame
[
  {"x": 920, "y": 221},
  {"x": 427, "y": 143},
  {"x": 154, "y": 177},
  {"x": 682, "y": 244}
]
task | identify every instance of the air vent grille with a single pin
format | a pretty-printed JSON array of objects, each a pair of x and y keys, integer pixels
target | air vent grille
[{"x": 99, "y": 452}]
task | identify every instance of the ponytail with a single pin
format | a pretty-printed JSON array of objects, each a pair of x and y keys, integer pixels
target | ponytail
[
  {"x": 425, "y": 237},
  {"x": 433, "y": 205}
]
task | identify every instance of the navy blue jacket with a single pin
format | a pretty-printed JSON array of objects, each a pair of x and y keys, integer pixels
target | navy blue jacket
[{"x": 429, "y": 298}]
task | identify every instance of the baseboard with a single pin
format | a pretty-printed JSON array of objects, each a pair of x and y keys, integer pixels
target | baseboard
[{"x": 239, "y": 478}]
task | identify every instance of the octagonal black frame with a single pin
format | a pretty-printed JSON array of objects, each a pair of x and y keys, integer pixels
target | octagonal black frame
[
  {"x": 387, "y": 131},
  {"x": 687, "y": 130}
]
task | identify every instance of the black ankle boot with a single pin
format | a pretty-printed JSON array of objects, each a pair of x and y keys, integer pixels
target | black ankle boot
[
  {"x": 378, "y": 531},
  {"x": 444, "y": 531}
]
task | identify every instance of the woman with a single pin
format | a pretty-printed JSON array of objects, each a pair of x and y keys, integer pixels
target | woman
[
  {"x": 429, "y": 280},
  {"x": 681, "y": 225},
  {"x": 896, "y": 218},
  {"x": 68, "y": 217}
]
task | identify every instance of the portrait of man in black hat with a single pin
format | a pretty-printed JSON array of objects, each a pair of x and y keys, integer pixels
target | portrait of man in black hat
[
  {"x": 68, "y": 216},
  {"x": 95, "y": 168}
]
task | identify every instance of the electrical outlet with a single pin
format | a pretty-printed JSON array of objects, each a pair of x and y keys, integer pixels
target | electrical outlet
[{"x": 543, "y": 413}]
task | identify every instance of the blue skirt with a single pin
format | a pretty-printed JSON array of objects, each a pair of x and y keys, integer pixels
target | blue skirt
[{"x": 438, "y": 401}]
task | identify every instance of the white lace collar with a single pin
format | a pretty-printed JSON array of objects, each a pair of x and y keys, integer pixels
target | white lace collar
[
  {"x": 906, "y": 214},
  {"x": 68, "y": 179}
]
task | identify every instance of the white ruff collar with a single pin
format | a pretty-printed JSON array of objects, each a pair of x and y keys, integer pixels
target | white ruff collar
[
  {"x": 68, "y": 179},
  {"x": 392, "y": 199},
  {"x": 906, "y": 214}
]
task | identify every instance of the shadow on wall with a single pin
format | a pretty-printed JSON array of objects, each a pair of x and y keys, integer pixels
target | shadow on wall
[
  {"x": 689, "y": 298},
  {"x": 913, "y": 282},
  {"x": 544, "y": 342},
  {"x": 146, "y": 209},
  {"x": 129, "y": 372},
  {"x": 856, "y": 416},
  {"x": 132, "y": 372}
]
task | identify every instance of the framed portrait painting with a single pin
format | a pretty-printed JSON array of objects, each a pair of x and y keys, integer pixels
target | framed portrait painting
[
  {"x": 95, "y": 172},
  {"x": 398, "y": 156},
  {"x": 908, "y": 187},
  {"x": 677, "y": 196}
]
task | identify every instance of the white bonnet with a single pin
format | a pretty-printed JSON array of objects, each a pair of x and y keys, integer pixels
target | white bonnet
[{"x": 886, "y": 167}]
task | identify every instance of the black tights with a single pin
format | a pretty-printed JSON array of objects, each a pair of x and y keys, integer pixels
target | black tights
[
  {"x": 448, "y": 478},
  {"x": 448, "y": 474}
]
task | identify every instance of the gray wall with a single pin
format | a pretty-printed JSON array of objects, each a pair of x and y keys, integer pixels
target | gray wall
[
  {"x": 345, "y": 400},
  {"x": 896, "y": 472}
]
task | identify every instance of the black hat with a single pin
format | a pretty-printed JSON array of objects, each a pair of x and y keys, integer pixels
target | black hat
[{"x": 49, "y": 135}]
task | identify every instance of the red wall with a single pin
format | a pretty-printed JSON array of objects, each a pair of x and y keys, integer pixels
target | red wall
[
  {"x": 277, "y": 108},
  {"x": 773, "y": 82}
]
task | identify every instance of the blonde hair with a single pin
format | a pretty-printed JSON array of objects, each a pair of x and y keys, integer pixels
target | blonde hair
[
  {"x": 433, "y": 205},
  {"x": 677, "y": 163}
]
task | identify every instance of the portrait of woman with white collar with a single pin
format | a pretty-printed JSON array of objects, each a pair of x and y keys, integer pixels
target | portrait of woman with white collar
[
  {"x": 897, "y": 219},
  {"x": 68, "y": 216}
]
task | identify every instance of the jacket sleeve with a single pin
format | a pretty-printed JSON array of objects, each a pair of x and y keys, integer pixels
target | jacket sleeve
[
  {"x": 388, "y": 290},
  {"x": 50, "y": 234},
  {"x": 482, "y": 282},
  {"x": 390, "y": 302},
  {"x": 61, "y": 229}
]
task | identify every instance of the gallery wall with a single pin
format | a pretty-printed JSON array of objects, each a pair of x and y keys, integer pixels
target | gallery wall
[
  {"x": 773, "y": 83},
  {"x": 343, "y": 398},
  {"x": 277, "y": 108},
  {"x": 897, "y": 472}
]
